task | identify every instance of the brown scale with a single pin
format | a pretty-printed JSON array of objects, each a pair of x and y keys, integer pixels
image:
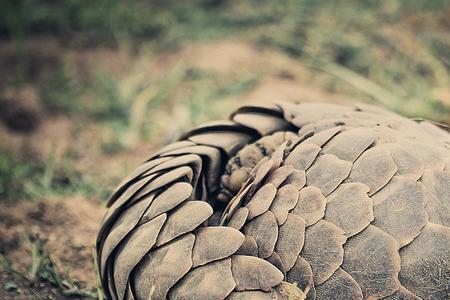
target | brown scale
[{"x": 347, "y": 202}]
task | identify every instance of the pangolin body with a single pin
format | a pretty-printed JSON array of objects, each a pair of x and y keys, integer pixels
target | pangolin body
[{"x": 286, "y": 201}]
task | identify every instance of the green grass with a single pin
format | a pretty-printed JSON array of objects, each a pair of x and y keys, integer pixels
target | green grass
[
  {"x": 98, "y": 284},
  {"x": 393, "y": 53},
  {"x": 128, "y": 107},
  {"x": 401, "y": 46},
  {"x": 127, "y": 111},
  {"x": 27, "y": 179},
  {"x": 12, "y": 173},
  {"x": 42, "y": 268}
]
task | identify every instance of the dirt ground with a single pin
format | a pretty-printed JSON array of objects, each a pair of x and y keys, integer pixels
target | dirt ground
[{"x": 69, "y": 225}]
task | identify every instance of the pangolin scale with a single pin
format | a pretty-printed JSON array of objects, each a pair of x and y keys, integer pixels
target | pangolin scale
[{"x": 286, "y": 201}]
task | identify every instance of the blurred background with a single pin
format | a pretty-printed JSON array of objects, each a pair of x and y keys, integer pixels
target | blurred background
[{"x": 88, "y": 89}]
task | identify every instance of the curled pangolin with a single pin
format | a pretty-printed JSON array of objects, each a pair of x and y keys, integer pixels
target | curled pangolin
[{"x": 286, "y": 201}]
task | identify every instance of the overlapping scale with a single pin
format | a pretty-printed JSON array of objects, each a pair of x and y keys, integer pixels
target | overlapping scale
[
  {"x": 184, "y": 219},
  {"x": 230, "y": 142},
  {"x": 214, "y": 243},
  {"x": 263, "y": 123},
  {"x": 125, "y": 223},
  {"x": 350, "y": 144},
  {"x": 302, "y": 274},
  {"x": 320, "y": 138},
  {"x": 323, "y": 249},
  {"x": 407, "y": 163},
  {"x": 425, "y": 269},
  {"x": 261, "y": 201},
  {"x": 402, "y": 294},
  {"x": 297, "y": 178},
  {"x": 302, "y": 156},
  {"x": 276, "y": 261},
  {"x": 437, "y": 185},
  {"x": 264, "y": 229},
  {"x": 290, "y": 241},
  {"x": 400, "y": 209},
  {"x": 340, "y": 286},
  {"x": 289, "y": 201},
  {"x": 162, "y": 268},
  {"x": 214, "y": 281},
  {"x": 285, "y": 199},
  {"x": 211, "y": 159},
  {"x": 168, "y": 200},
  {"x": 310, "y": 205},
  {"x": 374, "y": 168},
  {"x": 350, "y": 208},
  {"x": 327, "y": 173},
  {"x": 372, "y": 259},
  {"x": 133, "y": 249},
  {"x": 250, "y": 295},
  {"x": 253, "y": 273}
]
